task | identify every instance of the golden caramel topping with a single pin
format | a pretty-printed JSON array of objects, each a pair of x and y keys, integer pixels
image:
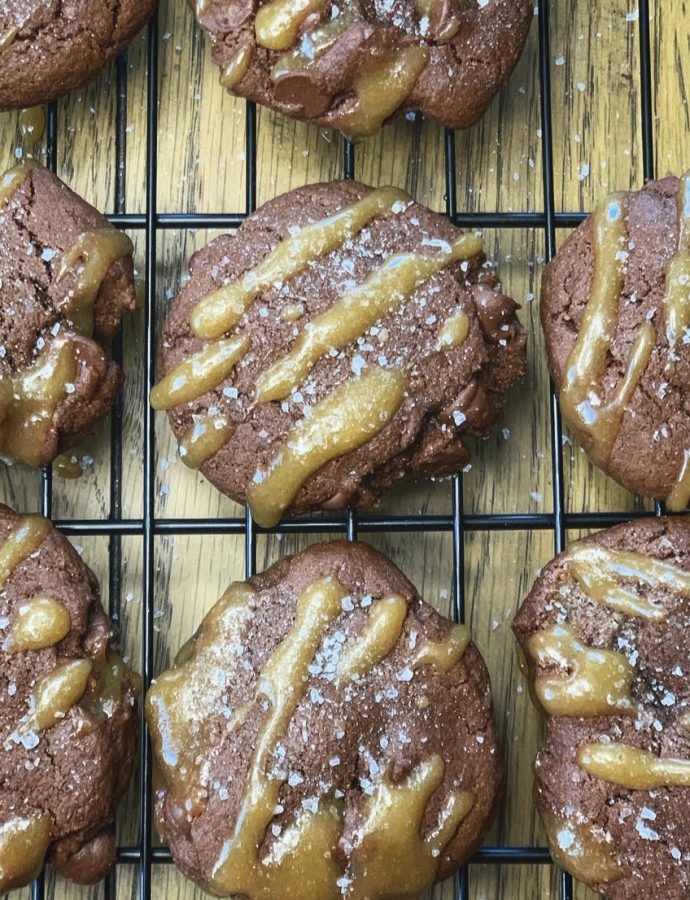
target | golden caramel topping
[
  {"x": 200, "y": 373},
  {"x": 321, "y": 39},
  {"x": 57, "y": 692},
  {"x": 605, "y": 576},
  {"x": 632, "y": 768},
  {"x": 345, "y": 420},
  {"x": 382, "y": 88},
  {"x": 40, "y": 622},
  {"x": 33, "y": 397},
  {"x": 449, "y": 28},
  {"x": 223, "y": 308},
  {"x": 679, "y": 497},
  {"x": 236, "y": 69},
  {"x": 14, "y": 178},
  {"x": 281, "y": 683},
  {"x": 204, "y": 439},
  {"x": 110, "y": 672},
  {"x": 443, "y": 654},
  {"x": 677, "y": 296},
  {"x": 592, "y": 682},
  {"x": 277, "y": 22},
  {"x": 25, "y": 539},
  {"x": 376, "y": 639},
  {"x": 685, "y": 720},
  {"x": 7, "y": 38},
  {"x": 32, "y": 124},
  {"x": 384, "y": 290},
  {"x": 454, "y": 330},
  {"x": 94, "y": 252},
  {"x": 582, "y": 406},
  {"x": 23, "y": 845},
  {"x": 66, "y": 466},
  {"x": 292, "y": 311},
  {"x": 390, "y": 850},
  {"x": 576, "y": 848}
]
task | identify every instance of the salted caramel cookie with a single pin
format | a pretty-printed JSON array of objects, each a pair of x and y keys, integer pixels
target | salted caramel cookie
[
  {"x": 616, "y": 314},
  {"x": 341, "y": 339},
  {"x": 66, "y": 279},
  {"x": 50, "y": 48},
  {"x": 324, "y": 734},
  {"x": 605, "y": 633},
  {"x": 356, "y": 64},
  {"x": 68, "y": 724}
]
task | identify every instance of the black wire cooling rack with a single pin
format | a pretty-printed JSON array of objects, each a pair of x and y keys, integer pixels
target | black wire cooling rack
[{"x": 143, "y": 854}]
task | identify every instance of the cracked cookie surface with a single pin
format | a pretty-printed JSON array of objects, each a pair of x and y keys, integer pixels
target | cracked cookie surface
[
  {"x": 605, "y": 634},
  {"x": 356, "y": 64},
  {"x": 49, "y": 48},
  {"x": 341, "y": 339},
  {"x": 66, "y": 279},
  {"x": 68, "y": 722},
  {"x": 325, "y": 734}
]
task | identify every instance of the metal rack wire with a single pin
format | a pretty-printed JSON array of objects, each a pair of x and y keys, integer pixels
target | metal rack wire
[{"x": 143, "y": 854}]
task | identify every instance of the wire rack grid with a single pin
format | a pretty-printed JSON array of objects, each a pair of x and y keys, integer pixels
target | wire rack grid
[{"x": 143, "y": 854}]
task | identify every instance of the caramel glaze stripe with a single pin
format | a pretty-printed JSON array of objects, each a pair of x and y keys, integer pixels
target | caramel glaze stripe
[
  {"x": 443, "y": 654},
  {"x": 40, "y": 622},
  {"x": 377, "y": 638},
  {"x": 237, "y": 68},
  {"x": 25, "y": 539},
  {"x": 95, "y": 251},
  {"x": 321, "y": 39},
  {"x": 384, "y": 291},
  {"x": 277, "y": 23},
  {"x": 679, "y": 497},
  {"x": 599, "y": 682},
  {"x": 601, "y": 573},
  {"x": 224, "y": 307},
  {"x": 349, "y": 417},
  {"x": 204, "y": 438},
  {"x": 199, "y": 373},
  {"x": 14, "y": 178},
  {"x": 677, "y": 295},
  {"x": 7, "y": 38},
  {"x": 24, "y": 842},
  {"x": 599, "y": 423},
  {"x": 633, "y": 768}
]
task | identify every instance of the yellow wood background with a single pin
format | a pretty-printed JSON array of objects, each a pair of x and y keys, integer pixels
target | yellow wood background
[{"x": 201, "y": 168}]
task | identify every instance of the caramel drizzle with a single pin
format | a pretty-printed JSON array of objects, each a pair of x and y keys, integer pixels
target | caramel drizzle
[
  {"x": 346, "y": 419},
  {"x": 599, "y": 682},
  {"x": 581, "y": 852},
  {"x": 282, "y": 682},
  {"x": 204, "y": 439},
  {"x": 237, "y": 68},
  {"x": 454, "y": 330},
  {"x": 600, "y": 572},
  {"x": 24, "y": 540},
  {"x": 40, "y": 622},
  {"x": 29, "y": 399},
  {"x": 96, "y": 251},
  {"x": 24, "y": 842},
  {"x": 679, "y": 497},
  {"x": 277, "y": 22},
  {"x": 427, "y": 9},
  {"x": 199, "y": 373},
  {"x": 223, "y": 308},
  {"x": 677, "y": 296},
  {"x": 384, "y": 291},
  {"x": 581, "y": 405},
  {"x": 382, "y": 89},
  {"x": 14, "y": 178},
  {"x": 320, "y": 40},
  {"x": 7, "y": 38},
  {"x": 443, "y": 654},
  {"x": 57, "y": 692},
  {"x": 632, "y": 768},
  {"x": 379, "y": 636}
]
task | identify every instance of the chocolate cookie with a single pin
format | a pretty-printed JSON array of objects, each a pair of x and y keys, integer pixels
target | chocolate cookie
[
  {"x": 616, "y": 314},
  {"x": 68, "y": 723},
  {"x": 324, "y": 734},
  {"x": 50, "y": 48},
  {"x": 342, "y": 338},
  {"x": 65, "y": 281},
  {"x": 356, "y": 64},
  {"x": 605, "y": 632}
]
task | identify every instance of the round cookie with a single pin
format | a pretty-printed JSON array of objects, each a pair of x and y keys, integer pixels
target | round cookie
[
  {"x": 615, "y": 309},
  {"x": 605, "y": 633},
  {"x": 66, "y": 279},
  {"x": 354, "y": 65},
  {"x": 324, "y": 734},
  {"x": 68, "y": 710},
  {"x": 48, "y": 49},
  {"x": 341, "y": 339}
]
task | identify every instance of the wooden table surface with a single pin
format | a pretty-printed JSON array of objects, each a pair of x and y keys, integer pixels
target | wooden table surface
[{"x": 595, "y": 77}]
